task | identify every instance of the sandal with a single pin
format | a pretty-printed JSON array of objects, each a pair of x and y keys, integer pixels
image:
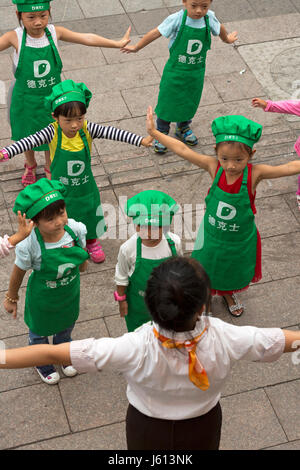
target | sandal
[
  {"x": 47, "y": 172},
  {"x": 298, "y": 200},
  {"x": 236, "y": 306},
  {"x": 30, "y": 177}
]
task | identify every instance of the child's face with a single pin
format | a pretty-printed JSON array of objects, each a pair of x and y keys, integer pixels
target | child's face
[
  {"x": 35, "y": 22},
  {"x": 71, "y": 125},
  {"x": 233, "y": 159},
  {"x": 197, "y": 9},
  {"x": 54, "y": 224},
  {"x": 148, "y": 232}
]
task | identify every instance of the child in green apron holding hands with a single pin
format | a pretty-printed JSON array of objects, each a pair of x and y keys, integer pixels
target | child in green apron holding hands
[
  {"x": 70, "y": 142},
  {"x": 228, "y": 244},
  {"x": 152, "y": 213},
  {"x": 181, "y": 86},
  {"x": 55, "y": 251},
  {"x": 37, "y": 68}
]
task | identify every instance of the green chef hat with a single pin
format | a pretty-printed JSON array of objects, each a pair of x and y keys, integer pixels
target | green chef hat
[
  {"x": 151, "y": 208},
  {"x": 236, "y": 129},
  {"x": 32, "y": 5},
  {"x": 35, "y": 197},
  {"x": 67, "y": 91}
]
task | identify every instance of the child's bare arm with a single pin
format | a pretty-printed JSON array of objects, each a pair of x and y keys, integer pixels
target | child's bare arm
[
  {"x": 89, "y": 39},
  {"x": 143, "y": 42},
  {"x": 35, "y": 355},
  {"x": 206, "y": 162},
  {"x": 83, "y": 267},
  {"x": 8, "y": 39},
  {"x": 229, "y": 38},
  {"x": 15, "y": 282},
  {"x": 263, "y": 172}
]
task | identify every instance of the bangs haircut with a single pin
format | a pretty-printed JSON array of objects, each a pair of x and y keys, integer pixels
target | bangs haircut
[
  {"x": 19, "y": 14},
  {"x": 50, "y": 211},
  {"x": 71, "y": 109},
  {"x": 241, "y": 146}
]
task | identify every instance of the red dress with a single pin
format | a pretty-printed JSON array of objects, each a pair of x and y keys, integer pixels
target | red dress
[{"x": 233, "y": 189}]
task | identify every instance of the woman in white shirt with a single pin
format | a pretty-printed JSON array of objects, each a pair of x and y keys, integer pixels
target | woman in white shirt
[{"x": 176, "y": 366}]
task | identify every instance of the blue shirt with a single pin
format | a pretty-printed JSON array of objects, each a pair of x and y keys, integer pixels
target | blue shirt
[{"x": 171, "y": 25}]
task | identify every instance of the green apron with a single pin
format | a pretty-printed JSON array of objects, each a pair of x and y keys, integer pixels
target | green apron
[
  {"x": 183, "y": 77},
  {"x": 38, "y": 71},
  {"x": 227, "y": 239},
  {"x": 53, "y": 293},
  {"x": 73, "y": 169},
  {"x": 135, "y": 292}
]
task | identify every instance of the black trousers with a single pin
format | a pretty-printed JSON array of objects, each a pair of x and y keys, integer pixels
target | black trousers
[{"x": 201, "y": 433}]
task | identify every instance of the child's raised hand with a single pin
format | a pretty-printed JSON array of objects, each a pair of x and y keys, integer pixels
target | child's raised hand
[
  {"x": 232, "y": 37},
  {"x": 147, "y": 141},
  {"x": 258, "y": 103},
  {"x": 126, "y": 38},
  {"x": 24, "y": 229},
  {"x": 150, "y": 121}
]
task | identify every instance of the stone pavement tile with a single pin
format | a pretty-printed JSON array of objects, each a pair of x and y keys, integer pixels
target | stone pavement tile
[
  {"x": 274, "y": 217},
  {"x": 5, "y": 128},
  {"x": 103, "y": 79},
  {"x": 66, "y": 10},
  {"x": 266, "y": 8},
  {"x": 107, "y": 26},
  {"x": 224, "y": 59},
  {"x": 111, "y": 249},
  {"x": 144, "y": 21},
  {"x": 292, "y": 203},
  {"x": 236, "y": 86},
  {"x": 96, "y": 8},
  {"x": 138, "y": 163},
  {"x": 31, "y": 413},
  {"x": 157, "y": 48},
  {"x": 8, "y": 19},
  {"x": 108, "y": 106},
  {"x": 138, "y": 5},
  {"x": 135, "y": 175},
  {"x": 280, "y": 254},
  {"x": 177, "y": 167},
  {"x": 285, "y": 400},
  {"x": 5, "y": 223},
  {"x": 210, "y": 94},
  {"x": 254, "y": 30},
  {"x": 297, "y": 4},
  {"x": 249, "y": 422},
  {"x": 138, "y": 99},
  {"x": 76, "y": 56},
  {"x": 115, "y": 325},
  {"x": 260, "y": 300},
  {"x": 172, "y": 3},
  {"x": 109, "y": 437},
  {"x": 4, "y": 86},
  {"x": 6, "y": 67},
  {"x": 88, "y": 329},
  {"x": 283, "y": 185},
  {"x": 295, "y": 445},
  {"x": 233, "y": 10},
  {"x": 92, "y": 400}
]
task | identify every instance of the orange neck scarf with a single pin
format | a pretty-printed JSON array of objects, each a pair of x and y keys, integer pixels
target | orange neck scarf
[{"x": 197, "y": 373}]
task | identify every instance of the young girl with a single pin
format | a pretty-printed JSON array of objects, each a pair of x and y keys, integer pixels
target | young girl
[
  {"x": 8, "y": 242},
  {"x": 55, "y": 251},
  {"x": 228, "y": 244},
  {"x": 287, "y": 107},
  {"x": 37, "y": 67},
  {"x": 70, "y": 141},
  {"x": 152, "y": 213},
  {"x": 176, "y": 367},
  {"x": 182, "y": 82}
]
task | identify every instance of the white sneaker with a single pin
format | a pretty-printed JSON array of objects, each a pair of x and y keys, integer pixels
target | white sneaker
[
  {"x": 69, "y": 371},
  {"x": 48, "y": 374}
]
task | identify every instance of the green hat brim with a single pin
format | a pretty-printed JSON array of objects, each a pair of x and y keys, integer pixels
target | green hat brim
[
  {"x": 38, "y": 206},
  {"x": 67, "y": 98},
  {"x": 158, "y": 215},
  {"x": 28, "y": 8},
  {"x": 234, "y": 138}
]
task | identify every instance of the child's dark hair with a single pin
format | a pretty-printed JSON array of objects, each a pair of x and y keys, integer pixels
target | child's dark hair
[
  {"x": 71, "y": 109},
  {"x": 176, "y": 290},
  {"x": 50, "y": 211},
  {"x": 241, "y": 145},
  {"x": 19, "y": 14}
]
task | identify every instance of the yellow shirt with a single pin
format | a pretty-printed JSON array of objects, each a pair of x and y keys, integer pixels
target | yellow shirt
[{"x": 74, "y": 144}]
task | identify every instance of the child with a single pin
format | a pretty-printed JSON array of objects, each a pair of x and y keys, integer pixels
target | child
[
  {"x": 152, "y": 213},
  {"x": 8, "y": 242},
  {"x": 287, "y": 107},
  {"x": 70, "y": 141},
  {"x": 182, "y": 82},
  {"x": 55, "y": 252},
  {"x": 228, "y": 244},
  {"x": 37, "y": 67},
  {"x": 176, "y": 368}
]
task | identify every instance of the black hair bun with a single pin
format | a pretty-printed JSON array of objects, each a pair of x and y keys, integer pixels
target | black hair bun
[{"x": 168, "y": 311}]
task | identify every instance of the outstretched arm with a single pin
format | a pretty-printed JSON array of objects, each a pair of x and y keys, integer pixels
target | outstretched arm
[
  {"x": 89, "y": 39},
  {"x": 8, "y": 39},
  {"x": 265, "y": 172},
  {"x": 143, "y": 42},
  {"x": 206, "y": 162},
  {"x": 35, "y": 355},
  {"x": 229, "y": 38}
]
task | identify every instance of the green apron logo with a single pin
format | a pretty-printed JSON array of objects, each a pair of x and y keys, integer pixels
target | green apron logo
[
  {"x": 194, "y": 47},
  {"x": 75, "y": 167},
  {"x": 226, "y": 211},
  {"x": 41, "y": 68},
  {"x": 64, "y": 270}
]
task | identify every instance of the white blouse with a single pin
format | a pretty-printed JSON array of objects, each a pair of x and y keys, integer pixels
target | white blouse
[
  {"x": 33, "y": 42},
  {"x": 158, "y": 381}
]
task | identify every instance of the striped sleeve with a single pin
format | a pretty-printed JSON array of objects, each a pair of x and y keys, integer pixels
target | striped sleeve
[
  {"x": 112, "y": 133},
  {"x": 42, "y": 137}
]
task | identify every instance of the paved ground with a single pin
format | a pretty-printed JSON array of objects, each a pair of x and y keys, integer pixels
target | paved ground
[{"x": 260, "y": 402}]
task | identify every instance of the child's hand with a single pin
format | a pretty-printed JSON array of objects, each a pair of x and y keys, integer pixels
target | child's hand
[
  {"x": 126, "y": 39},
  {"x": 129, "y": 49},
  {"x": 258, "y": 103},
  {"x": 24, "y": 229},
  {"x": 1, "y": 156},
  {"x": 232, "y": 37},
  {"x": 150, "y": 121},
  {"x": 147, "y": 141},
  {"x": 11, "y": 307},
  {"x": 123, "y": 308}
]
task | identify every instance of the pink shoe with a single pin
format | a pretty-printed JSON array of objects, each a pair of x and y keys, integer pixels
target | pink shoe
[
  {"x": 30, "y": 177},
  {"x": 96, "y": 252}
]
